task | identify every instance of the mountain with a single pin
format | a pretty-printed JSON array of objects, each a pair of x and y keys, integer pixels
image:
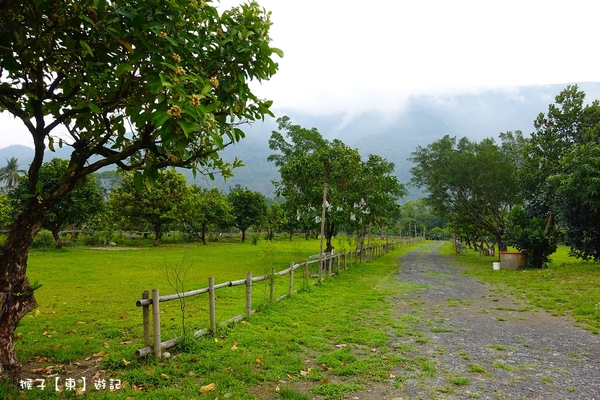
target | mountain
[{"x": 423, "y": 120}]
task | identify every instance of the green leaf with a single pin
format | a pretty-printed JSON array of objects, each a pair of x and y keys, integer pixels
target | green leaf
[
  {"x": 86, "y": 47},
  {"x": 95, "y": 109},
  {"x": 277, "y": 51},
  {"x": 170, "y": 66},
  {"x": 122, "y": 68},
  {"x": 189, "y": 127},
  {"x": 138, "y": 180}
]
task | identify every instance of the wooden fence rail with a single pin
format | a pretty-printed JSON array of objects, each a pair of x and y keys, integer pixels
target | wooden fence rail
[{"x": 325, "y": 265}]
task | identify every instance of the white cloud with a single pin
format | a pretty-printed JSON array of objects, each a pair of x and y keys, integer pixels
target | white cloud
[{"x": 350, "y": 57}]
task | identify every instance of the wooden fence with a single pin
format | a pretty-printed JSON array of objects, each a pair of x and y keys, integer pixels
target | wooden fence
[{"x": 325, "y": 264}]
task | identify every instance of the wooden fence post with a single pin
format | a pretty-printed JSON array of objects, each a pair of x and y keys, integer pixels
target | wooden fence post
[
  {"x": 248, "y": 294},
  {"x": 272, "y": 289},
  {"x": 320, "y": 268},
  {"x": 211, "y": 299},
  {"x": 338, "y": 263},
  {"x": 156, "y": 323},
  {"x": 146, "y": 319},
  {"x": 345, "y": 266},
  {"x": 291, "y": 278}
]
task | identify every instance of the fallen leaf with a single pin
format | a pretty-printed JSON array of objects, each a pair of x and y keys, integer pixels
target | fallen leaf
[
  {"x": 106, "y": 345},
  {"x": 373, "y": 350},
  {"x": 165, "y": 376},
  {"x": 384, "y": 357},
  {"x": 208, "y": 388},
  {"x": 340, "y": 346},
  {"x": 259, "y": 360},
  {"x": 235, "y": 343},
  {"x": 277, "y": 389},
  {"x": 245, "y": 322},
  {"x": 324, "y": 381},
  {"x": 100, "y": 354},
  {"x": 325, "y": 367},
  {"x": 127, "y": 342},
  {"x": 392, "y": 376},
  {"x": 216, "y": 340},
  {"x": 96, "y": 375},
  {"x": 307, "y": 372},
  {"x": 64, "y": 302},
  {"x": 80, "y": 391},
  {"x": 126, "y": 362}
]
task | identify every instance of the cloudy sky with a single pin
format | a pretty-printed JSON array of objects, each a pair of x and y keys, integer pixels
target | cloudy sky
[{"x": 347, "y": 56}]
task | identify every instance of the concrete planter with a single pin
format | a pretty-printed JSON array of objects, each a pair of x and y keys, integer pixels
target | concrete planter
[{"x": 513, "y": 260}]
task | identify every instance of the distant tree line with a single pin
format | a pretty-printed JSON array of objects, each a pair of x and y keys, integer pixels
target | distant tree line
[{"x": 361, "y": 196}]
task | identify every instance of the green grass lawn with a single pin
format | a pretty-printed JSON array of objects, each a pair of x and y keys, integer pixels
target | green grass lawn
[
  {"x": 87, "y": 308},
  {"x": 567, "y": 287},
  {"x": 329, "y": 339}
]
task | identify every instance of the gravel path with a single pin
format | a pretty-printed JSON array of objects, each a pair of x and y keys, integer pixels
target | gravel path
[{"x": 483, "y": 344}]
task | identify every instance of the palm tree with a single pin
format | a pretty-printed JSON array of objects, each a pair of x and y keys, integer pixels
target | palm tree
[{"x": 11, "y": 173}]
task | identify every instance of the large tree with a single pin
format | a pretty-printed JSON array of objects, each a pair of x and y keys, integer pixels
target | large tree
[
  {"x": 357, "y": 192},
  {"x": 143, "y": 84},
  {"x": 157, "y": 206},
  {"x": 559, "y": 174},
  {"x": 203, "y": 208},
  {"x": 473, "y": 184},
  {"x": 275, "y": 220},
  {"x": 78, "y": 207},
  {"x": 249, "y": 209}
]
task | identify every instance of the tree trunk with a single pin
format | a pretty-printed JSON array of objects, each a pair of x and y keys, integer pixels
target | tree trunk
[
  {"x": 57, "y": 242},
  {"x": 243, "y": 235},
  {"x": 16, "y": 294},
  {"x": 203, "y": 235},
  {"x": 361, "y": 239},
  {"x": 328, "y": 235},
  {"x": 502, "y": 246},
  {"x": 158, "y": 237}
]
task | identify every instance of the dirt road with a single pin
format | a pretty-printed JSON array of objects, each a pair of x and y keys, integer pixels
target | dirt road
[{"x": 483, "y": 344}]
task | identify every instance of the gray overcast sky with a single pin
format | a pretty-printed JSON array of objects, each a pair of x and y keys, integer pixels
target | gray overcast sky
[{"x": 348, "y": 56}]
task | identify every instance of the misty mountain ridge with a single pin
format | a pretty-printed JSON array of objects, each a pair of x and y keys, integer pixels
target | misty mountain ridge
[{"x": 423, "y": 120}]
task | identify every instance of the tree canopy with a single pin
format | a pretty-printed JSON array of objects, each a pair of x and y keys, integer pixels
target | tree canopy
[
  {"x": 78, "y": 207},
  {"x": 10, "y": 173},
  {"x": 357, "y": 192},
  {"x": 559, "y": 177},
  {"x": 137, "y": 83},
  {"x": 203, "y": 208},
  {"x": 249, "y": 209},
  {"x": 473, "y": 184},
  {"x": 157, "y": 206}
]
